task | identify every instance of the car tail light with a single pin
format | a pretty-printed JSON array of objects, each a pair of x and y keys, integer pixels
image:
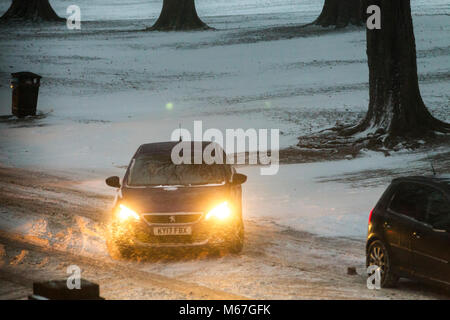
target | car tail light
[{"x": 370, "y": 216}]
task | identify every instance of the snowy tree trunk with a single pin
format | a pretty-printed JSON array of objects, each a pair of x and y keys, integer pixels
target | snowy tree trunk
[
  {"x": 178, "y": 15},
  {"x": 340, "y": 13},
  {"x": 33, "y": 10},
  {"x": 396, "y": 106}
]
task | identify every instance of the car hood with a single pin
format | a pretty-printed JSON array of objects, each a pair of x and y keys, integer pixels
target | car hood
[{"x": 174, "y": 199}]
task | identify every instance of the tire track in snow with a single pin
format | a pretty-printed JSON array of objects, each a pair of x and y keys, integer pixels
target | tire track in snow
[{"x": 145, "y": 279}]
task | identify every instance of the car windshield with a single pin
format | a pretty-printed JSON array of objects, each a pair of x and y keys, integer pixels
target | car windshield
[{"x": 157, "y": 170}]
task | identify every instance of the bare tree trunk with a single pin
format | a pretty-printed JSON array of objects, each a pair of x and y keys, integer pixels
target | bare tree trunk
[
  {"x": 33, "y": 10},
  {"x": 178, "y": 15},
  {"x": 397, "y": 114},
  {"x": 396, "y": 106},
  {"x": 340, "y": 13}
]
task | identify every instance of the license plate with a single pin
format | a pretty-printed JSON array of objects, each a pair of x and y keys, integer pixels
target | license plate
[{"x": 172, "y": 231}]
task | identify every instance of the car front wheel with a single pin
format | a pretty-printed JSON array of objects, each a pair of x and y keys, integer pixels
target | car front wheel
[
  {"x": 378, "y": 255},
  {"x": 237, "y": 243},
  {"x": 232, "y": 241}
]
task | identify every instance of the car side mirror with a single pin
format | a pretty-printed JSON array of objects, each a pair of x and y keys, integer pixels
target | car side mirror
[
  {"x": 239, "y": 179},
  {"x": 113, "y": 182}
]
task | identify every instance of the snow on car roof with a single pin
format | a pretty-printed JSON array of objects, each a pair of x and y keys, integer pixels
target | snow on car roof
[{"x": 166, "y": 147}]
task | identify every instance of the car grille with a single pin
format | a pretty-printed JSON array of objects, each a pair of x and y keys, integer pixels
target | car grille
[{"x": 169, "y": 219}]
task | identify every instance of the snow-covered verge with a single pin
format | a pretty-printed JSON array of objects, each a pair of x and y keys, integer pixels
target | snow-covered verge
[{"x": 106, "y": 88}]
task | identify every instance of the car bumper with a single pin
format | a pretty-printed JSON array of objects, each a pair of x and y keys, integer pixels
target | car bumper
[{"x": 203, "y": 233}]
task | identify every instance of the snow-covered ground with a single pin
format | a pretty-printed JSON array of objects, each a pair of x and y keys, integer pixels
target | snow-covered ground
[
  {"x": 107, "y": 89},
  {"x": 110, "y": 87}
]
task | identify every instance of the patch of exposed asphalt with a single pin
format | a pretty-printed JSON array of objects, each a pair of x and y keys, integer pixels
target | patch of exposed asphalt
[
  {"x": 379, "y": 177},
  {"x": 58, "y": 31},
  {"x": 304, "y": 91},
  {"x": 433, "y": 52},
  {"x": 432, "y": 77},
  {"x": 282, "y": 93},
  {"x": 55, "y": 60},
  {"x": 253, "y": 35},
  {"x": 116, "y": 80},
  {"x": 46, "y": 195},
  {"x": 318, "y": 64}
]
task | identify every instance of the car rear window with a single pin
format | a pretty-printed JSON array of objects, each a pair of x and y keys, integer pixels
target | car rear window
[
  {"x": 438, "y": 209},
  {"x": 409, "y": 199},
  {"x": 156, "y": 170}
]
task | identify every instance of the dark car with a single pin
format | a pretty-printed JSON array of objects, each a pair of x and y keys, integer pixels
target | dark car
[
  {"x": 160, "y": 204},
  {"x": 409, "y": 231}
]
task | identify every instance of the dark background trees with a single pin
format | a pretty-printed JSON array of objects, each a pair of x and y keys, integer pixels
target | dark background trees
[
  {"x": 341, "y": 13},
  {"x": 178, "y": 15},
  {"x": 33, "y": 10},
  {"x": 396, "y": 106},
  {"x": 396, "y": 112}
]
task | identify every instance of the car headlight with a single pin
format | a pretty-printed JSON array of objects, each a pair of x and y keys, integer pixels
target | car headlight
[
  {"x": 222, "y": 212},
  {"x": 126, "y": 213}
]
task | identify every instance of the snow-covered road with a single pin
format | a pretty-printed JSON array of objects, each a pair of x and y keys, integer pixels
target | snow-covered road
[{"x": 45, "y": 228}]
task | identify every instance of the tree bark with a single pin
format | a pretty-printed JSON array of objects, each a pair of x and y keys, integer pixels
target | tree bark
[
  {"x": 397, "y": 116},
  {"x": 33, "y": 10},
  {"x": 178, "y": 15},
  {"x": 340, "y": 13},
  {"x": 396, "y": 106}
]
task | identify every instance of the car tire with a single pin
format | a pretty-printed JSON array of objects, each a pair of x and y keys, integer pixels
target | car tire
[
  {"x": 119, "y": 251},
  {"x": 379, "y": 255},
  {"x": 237, "y": 244}
]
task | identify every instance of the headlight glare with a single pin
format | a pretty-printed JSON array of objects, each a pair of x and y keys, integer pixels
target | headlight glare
[
  {"x": 221, "y": 212},
  {"x": 126, "y": 213}
]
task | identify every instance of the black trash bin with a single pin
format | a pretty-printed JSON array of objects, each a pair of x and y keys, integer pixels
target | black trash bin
[
  {"x": 58, "y": 290},
  {"x": 25, "y": 93}
]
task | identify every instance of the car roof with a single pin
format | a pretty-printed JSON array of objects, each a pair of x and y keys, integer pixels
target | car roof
[
  {"x": 166, "y": 147},
  {"x": 159, "y": 147},
  {"x": 442, "y": 181}
]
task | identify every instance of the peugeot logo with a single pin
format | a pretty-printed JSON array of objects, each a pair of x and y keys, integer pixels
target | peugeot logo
[{"x": 172, "y": 219}]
